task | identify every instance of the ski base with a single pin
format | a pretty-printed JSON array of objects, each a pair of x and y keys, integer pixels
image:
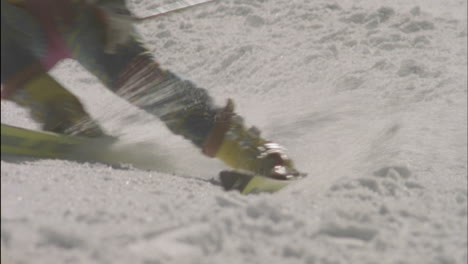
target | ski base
[{"x": 248, "y": 183}]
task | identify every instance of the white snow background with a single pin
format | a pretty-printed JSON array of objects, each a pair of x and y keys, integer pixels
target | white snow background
[{"x": 370, "y": 98}]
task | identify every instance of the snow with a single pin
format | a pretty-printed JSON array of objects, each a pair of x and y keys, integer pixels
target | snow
[{"x": 370, "y": 98}]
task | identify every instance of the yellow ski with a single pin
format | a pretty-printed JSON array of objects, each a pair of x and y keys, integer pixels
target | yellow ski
[{"x": 26, "y": 142}]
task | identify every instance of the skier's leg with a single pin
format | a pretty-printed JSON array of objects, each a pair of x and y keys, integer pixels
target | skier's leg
[
  {"x": 55, "y": 108},
  {"x": 132, "y": 73},
  {"x": 26, "y": 82},
  {"x": 186, "y": 109}
]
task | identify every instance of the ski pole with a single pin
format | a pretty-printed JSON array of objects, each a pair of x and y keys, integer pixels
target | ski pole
[{"x": 170, "y": 8}]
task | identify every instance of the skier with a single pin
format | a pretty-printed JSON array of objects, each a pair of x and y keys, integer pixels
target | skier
[{"x": 99, "y": 34}]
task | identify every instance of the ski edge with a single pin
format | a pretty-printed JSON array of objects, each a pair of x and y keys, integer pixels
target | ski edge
[{"x": 247, "y": 183}]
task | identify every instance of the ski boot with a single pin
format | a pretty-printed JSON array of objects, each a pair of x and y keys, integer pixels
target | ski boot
[
  {"x": 245, "y": 150},
  {"x": 54, "y": 107}
]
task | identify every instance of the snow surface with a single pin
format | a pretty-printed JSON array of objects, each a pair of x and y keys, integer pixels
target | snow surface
[{"x": 370, "y": 98}]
